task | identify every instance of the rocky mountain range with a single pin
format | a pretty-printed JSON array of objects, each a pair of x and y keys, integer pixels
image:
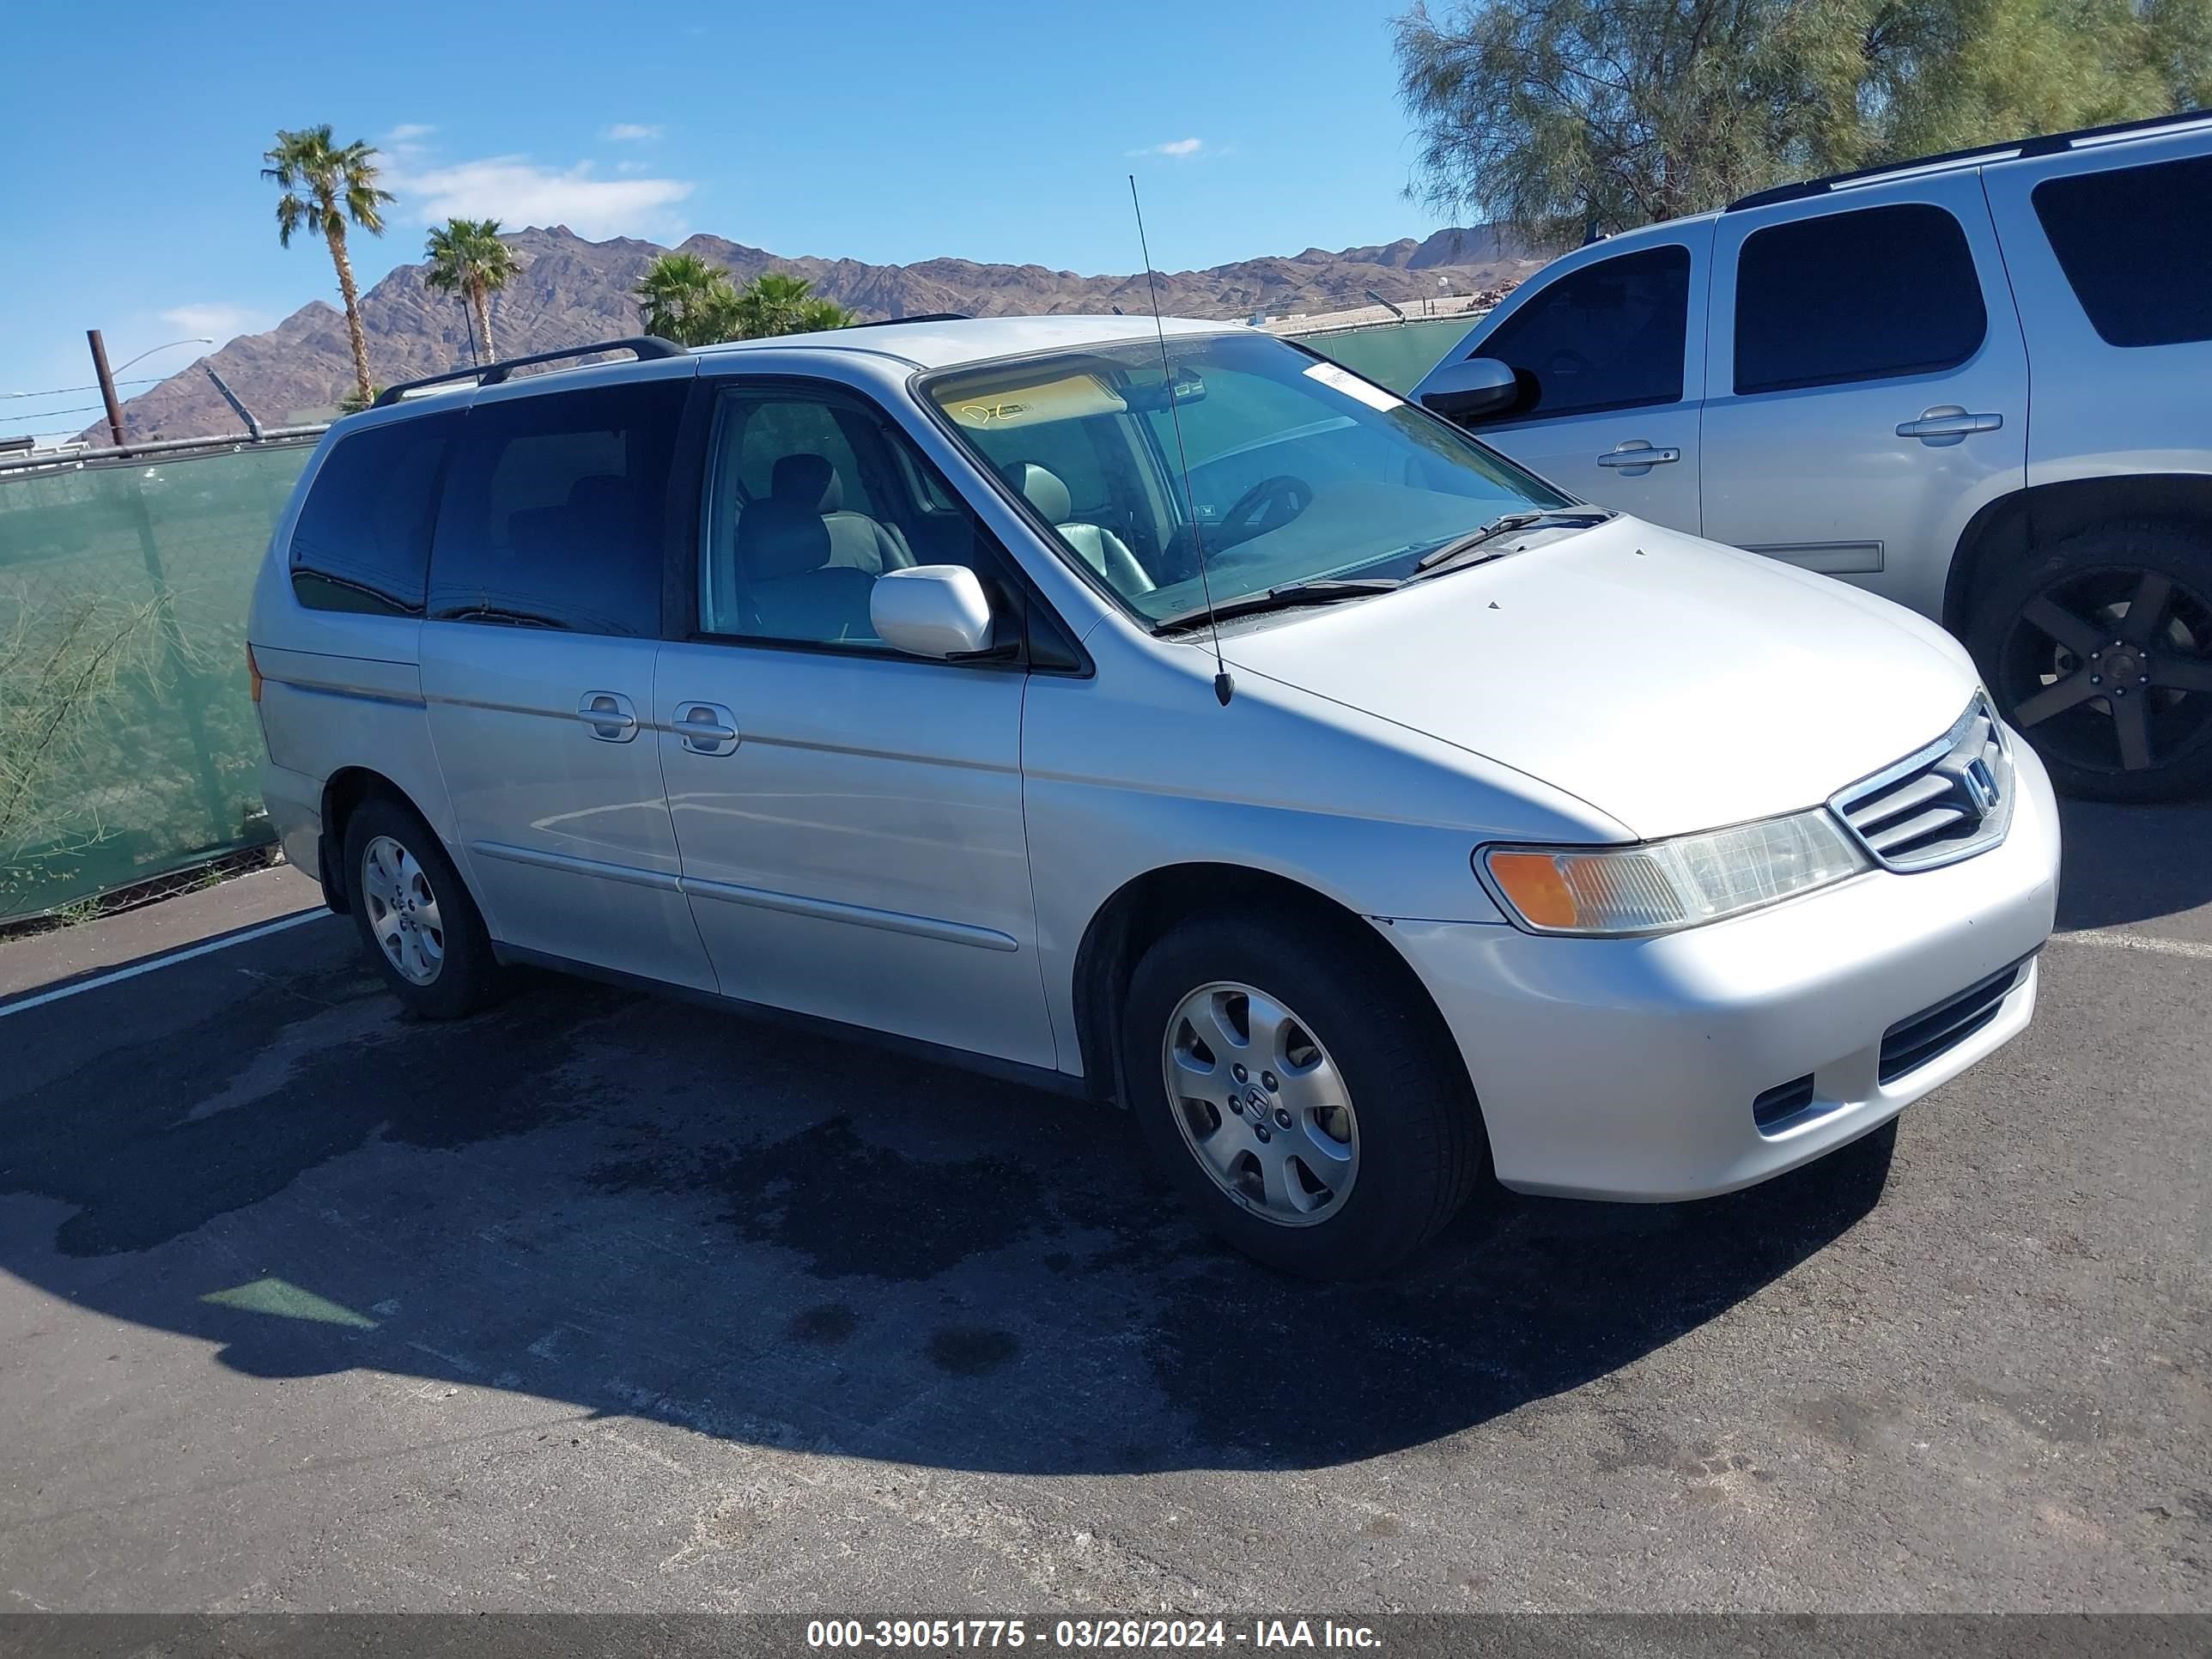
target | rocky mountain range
[{"x": 571, "y": 290}]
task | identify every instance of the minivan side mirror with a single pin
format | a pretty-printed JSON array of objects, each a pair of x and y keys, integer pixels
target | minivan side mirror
[
  {"x": 931, "y": 611},
  {"x": 1469, "y": 391}
]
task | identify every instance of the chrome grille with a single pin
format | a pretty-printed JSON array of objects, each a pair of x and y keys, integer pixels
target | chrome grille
[{"x": 1949, "y": 801}]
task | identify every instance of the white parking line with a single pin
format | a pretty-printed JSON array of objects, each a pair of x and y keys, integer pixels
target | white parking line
[
  {"x": 137, "y": 968},
  {"x": 2112, "y": 941}
]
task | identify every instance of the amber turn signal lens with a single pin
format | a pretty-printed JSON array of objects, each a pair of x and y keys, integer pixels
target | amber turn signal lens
[
  {"x": 253, "y": 675},
  {"x": 1533, "y": 883}
]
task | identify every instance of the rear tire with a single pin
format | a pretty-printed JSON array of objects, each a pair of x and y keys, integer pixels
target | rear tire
[
  {"x": 415, "y": 916},
  {"x": 2133, "y": 600},
  {"x": 1317, "y": 1120}
]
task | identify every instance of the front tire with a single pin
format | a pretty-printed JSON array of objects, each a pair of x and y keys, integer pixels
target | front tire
[
  {"x": 1301, "y": 1099},
  {"x": 415, "y": 916},
  {"x": 2099, "y": 650}
]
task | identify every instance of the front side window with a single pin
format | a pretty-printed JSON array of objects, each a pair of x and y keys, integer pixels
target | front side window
[
  {"x": 555, "y": 508},
  {"x": 1869, "y": 295},
  {"x": 812, "y": 496},
  {"x": 362, "y": 542},
  {"x": 1298, "y": 469},
  {"x": 2135, "y": 244},
  {"x": 1608, "y": 336}
]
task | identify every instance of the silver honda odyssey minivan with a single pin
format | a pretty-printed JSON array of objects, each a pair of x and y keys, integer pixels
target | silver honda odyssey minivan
[{"x": 1163, "y": 714}]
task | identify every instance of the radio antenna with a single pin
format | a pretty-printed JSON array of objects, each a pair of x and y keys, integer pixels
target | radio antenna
[{"x": 1224, "y": 687}]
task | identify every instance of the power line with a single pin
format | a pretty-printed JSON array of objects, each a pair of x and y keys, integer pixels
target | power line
[
  {"x": 47, "y": 414},
  {"x": 63, "y": 391}
]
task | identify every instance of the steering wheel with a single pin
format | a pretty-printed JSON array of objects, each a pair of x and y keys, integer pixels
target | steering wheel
[{"x": 1267, "y": 505}]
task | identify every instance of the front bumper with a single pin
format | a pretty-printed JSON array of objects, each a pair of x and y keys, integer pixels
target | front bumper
[{"x": 1627, "y": 1068}]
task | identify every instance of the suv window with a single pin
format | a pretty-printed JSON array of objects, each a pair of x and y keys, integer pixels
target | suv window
[
  {"x": 555, "y": 510},
  {"x": 2135, "y": 244},
  {"x": 787, "y": 553},
  {"x": 362, "y": 542},
  {"x": 1866, "y": 295},
  {"x": 1608, "y": 336}
]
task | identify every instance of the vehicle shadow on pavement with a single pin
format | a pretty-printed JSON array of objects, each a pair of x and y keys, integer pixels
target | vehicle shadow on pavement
[
  {"x": 622, "y": 1202},
  {"x": 2127, "y": 864}
]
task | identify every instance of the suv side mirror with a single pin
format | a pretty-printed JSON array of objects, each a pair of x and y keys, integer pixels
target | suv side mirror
[
  {"x": 931, "y": 611},
  {"x": 1467, "y": 391}
]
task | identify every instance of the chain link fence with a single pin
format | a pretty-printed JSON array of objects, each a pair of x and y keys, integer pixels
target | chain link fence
[{"x": 128, "y": 745}]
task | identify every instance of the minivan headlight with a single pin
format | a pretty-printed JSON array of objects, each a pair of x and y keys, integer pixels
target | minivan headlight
[{"x": 1658, "y": 887}]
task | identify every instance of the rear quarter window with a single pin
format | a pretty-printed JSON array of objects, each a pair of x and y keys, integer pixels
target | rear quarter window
[
  {"x": 1872, "y": 295},
  {"x": 2135, "y": 244},
  {"x": 363, "y": 540}
]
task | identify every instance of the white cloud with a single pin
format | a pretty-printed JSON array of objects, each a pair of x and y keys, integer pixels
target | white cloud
[
  {"x": 623, "y": 131},
  {"x": 1173, "y": 146},
  {"x": 223, "y": 321},
  {"x": 409, "y": 132},
  {"x": 517, "y": 191}
]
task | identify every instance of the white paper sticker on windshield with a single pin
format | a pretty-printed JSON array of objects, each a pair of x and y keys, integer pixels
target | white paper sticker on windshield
[{"x": 1352, "y": 385}]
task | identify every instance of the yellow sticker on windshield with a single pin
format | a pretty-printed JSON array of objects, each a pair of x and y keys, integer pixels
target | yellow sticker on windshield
[{"x": 1068, "y": 398}]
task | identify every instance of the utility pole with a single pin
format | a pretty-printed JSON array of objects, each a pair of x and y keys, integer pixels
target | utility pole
[{"x": 106, "y": 385}]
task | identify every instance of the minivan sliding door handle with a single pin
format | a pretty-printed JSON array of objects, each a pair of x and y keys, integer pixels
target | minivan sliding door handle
[
  {"x": 706, "y": 728},
  {"x": 608, "y": 715}
]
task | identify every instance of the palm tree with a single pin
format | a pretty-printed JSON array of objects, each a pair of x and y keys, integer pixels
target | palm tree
[
  {"x": 467, "y": 258},
  {"x": 324, "y": 186},
  {"x": 688, "y": 301},
  {"x": 776, "y": 302}
]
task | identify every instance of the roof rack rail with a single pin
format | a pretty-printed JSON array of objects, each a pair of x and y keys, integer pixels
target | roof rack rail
[
  {"x": 918, "y": 317},
  {"x": 645, "y": 346},
  {"x": 2050, "y": 143}
]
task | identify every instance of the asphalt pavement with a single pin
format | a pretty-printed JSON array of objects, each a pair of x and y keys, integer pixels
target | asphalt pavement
[{"x": 599, "y": 1301}]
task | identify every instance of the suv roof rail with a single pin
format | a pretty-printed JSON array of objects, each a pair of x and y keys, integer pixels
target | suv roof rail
[
  {"x": 918, "y": 317},
  {"x": 2050, "y": 143},
  {"x": 645, "y": 346}
]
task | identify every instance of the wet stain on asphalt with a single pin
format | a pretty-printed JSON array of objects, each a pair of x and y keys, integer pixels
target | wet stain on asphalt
[
  {"x": 825, "y": 1326},
  {"x": 970, "y": 1351}
]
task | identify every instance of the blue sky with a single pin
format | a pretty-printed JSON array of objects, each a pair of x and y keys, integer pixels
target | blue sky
[{"x": 131, "y": 199}]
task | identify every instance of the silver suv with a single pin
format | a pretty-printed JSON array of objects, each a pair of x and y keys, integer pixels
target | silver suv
[{"x": 1979, "y": 385}]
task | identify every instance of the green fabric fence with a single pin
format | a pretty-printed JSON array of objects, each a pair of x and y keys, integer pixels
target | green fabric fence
[
  {"x": 128, "y": 746},
  {"x": 1395, "y": 355}
]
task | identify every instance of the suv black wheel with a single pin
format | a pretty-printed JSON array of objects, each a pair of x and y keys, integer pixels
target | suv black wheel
[
  {"x": 1306, "y": 1107},
  {"x": 2099, "y": 651},
  {"x": 413, "y": 915}
]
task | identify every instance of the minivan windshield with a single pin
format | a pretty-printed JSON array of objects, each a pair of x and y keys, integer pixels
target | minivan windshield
[{"x": 1301, "y": 472}]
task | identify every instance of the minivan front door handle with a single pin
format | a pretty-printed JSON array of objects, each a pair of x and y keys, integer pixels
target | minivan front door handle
[
  {"x": 707, "y": 728},
  {"x": 1636, "y": 455},
  {"x": 1946, "y": 424},
  {"x": 608, "y": 715}
]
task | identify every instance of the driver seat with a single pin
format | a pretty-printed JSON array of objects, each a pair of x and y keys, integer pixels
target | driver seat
[{"x": 1098, "y": 546}]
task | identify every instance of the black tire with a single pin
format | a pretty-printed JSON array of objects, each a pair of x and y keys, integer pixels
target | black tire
[
  {"x": 1420, "y": 1146},
  {"x": 2096, "y": 587},
  {"x": 468, "y": 976}
]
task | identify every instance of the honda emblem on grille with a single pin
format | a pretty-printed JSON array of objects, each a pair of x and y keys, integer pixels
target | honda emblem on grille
[{"x": 1981, "y": 785}]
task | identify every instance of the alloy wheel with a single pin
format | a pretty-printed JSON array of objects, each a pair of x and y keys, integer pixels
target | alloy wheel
[
  {"x": 2111, "y": 670},
  {"x": 403, "y": 910},
  {"x": 1261, "y": 1104}
]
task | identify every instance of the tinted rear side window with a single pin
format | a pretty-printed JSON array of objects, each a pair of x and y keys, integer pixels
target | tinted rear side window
[
  {"x": 1608, "y": 336},
  {"x": 1869, "y": 295},
  {"x": 555, "y": 510},
  {"x": 362, "y": 542},
  {"x": 2135, "y": 243}
]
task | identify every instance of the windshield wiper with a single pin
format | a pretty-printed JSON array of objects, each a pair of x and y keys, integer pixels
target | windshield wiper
[
  {"x": 1289, "y": 597},
  {"x": 1505, "y": 525}
]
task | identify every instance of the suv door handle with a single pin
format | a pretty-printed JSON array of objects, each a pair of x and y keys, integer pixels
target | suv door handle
[
  {"x": 707, "y": 728},
  {"x": 1946, "y": 424},
  {"x": 1636, "y": 454},
  {"x": 610, "y": 716}
]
